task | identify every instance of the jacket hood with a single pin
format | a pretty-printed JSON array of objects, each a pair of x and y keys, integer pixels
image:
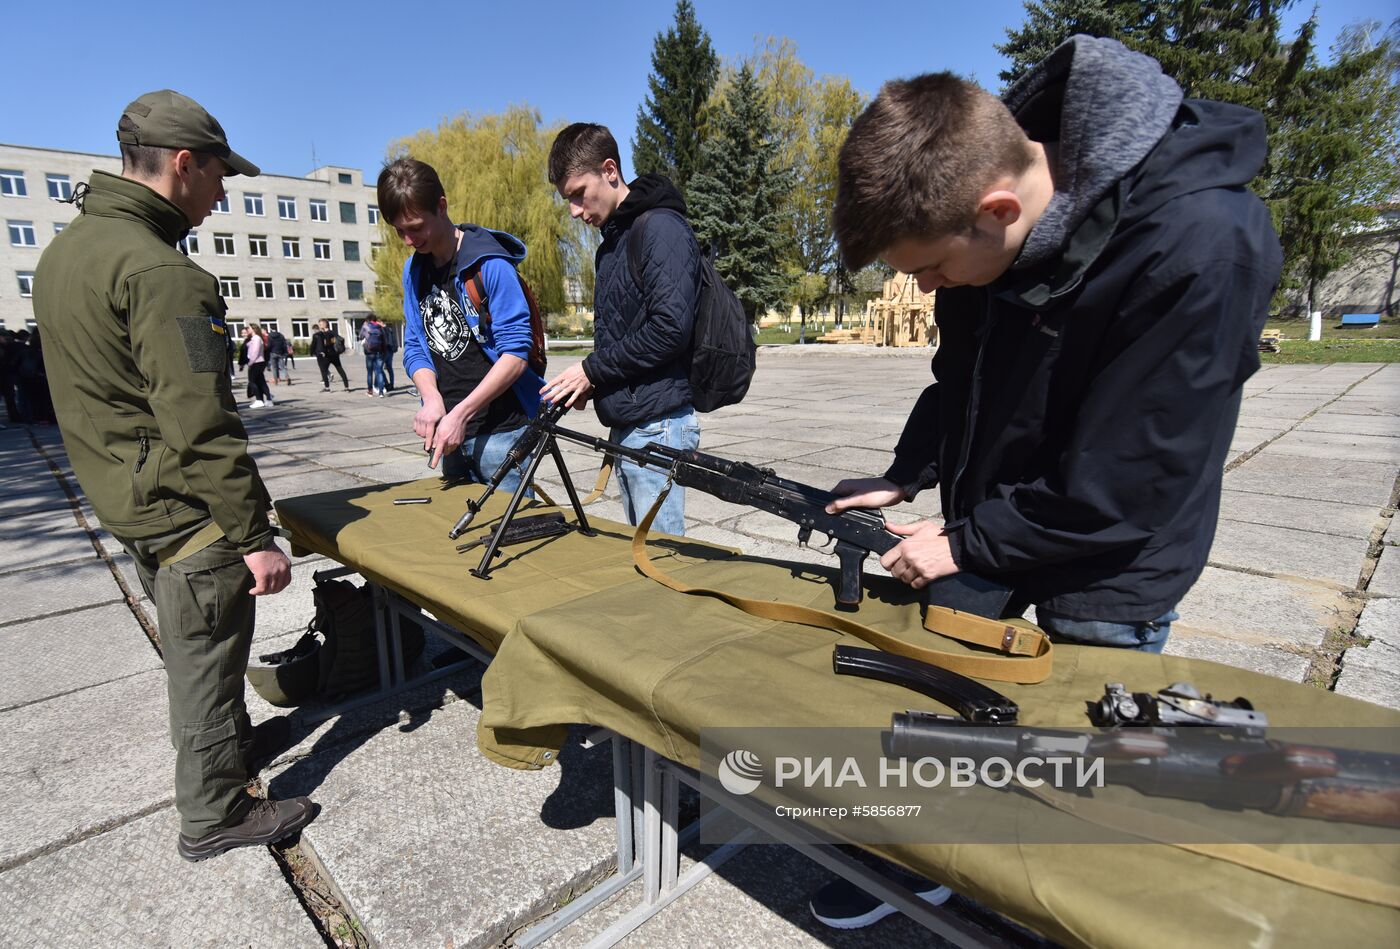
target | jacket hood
[
  {"x": 1212, "y": 145},
  {"x": 1107, "y": 107},
  {"x": 644, "y": 194},
  {"x": 114, "y": 196},
  {"x": 478, "y": 243}
]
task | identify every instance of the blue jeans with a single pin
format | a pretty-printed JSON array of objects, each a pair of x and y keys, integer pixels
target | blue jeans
[
  {"x": 1148, "y": 636},
  {"x": 374, "y": 372},
  {"x": 482, "y": 455},
  {"x": 639, "y": 485}
]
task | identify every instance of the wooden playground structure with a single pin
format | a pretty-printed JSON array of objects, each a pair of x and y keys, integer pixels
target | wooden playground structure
[{"x": 903, "y": 316}]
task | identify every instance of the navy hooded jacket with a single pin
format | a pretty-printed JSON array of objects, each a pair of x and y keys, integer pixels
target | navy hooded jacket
[
  {"x": 1085, "y": 402},
  {"x": 640, "y": 364}
]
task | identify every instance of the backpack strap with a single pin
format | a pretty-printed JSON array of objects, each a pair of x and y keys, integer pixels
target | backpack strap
[
  {"x": 634, "y": 248},
  {"x": 476, "y": 293}
]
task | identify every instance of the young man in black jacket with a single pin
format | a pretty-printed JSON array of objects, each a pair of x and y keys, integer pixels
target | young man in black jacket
[
  {"x": 1103, "y": 274},
  {"x": 638, "y": 371}
]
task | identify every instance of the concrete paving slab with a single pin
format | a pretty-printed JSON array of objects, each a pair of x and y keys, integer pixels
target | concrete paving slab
[
  {"x": 67, "y": 653},
  {"x": 1260, "y": 610},
  {"x": 1322, "y": 479},
  {"x": 434, "y": 845},
  {"x": 410, "y": 468},
  {"x": 1323, "y": 517},
  {"x": 1380, "y": 623},
  {"x": 853, "y": 461},
  {"x": 1378, "y": 686},
  {"x": 363, "y": 457},
  {"x": 129, "y": 888},
  {"x": 43, "y": 538},
  {"x": 1332, "y": 445},
  {"x": 1366, "y": 406},
  {"x": 1346, "y": 424},
  {"x": 1243, "y": 655},
  {"x": 83, "y": 761},
  {"x": 45, "y": 591},
  {"x": 313, "y": 481},
  {"x": 1386, "y": 580},
  {"x": 1282, "y": 551}
]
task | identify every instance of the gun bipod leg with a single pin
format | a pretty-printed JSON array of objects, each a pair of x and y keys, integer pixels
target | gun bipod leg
[
  {"x": 583, "y": 526},
  {"x": 483, "y": 569}
]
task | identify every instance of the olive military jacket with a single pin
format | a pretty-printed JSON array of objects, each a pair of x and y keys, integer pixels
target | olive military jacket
[{"x": 136, "y": 352}]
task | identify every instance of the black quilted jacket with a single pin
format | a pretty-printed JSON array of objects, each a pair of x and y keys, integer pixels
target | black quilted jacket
[{"x": 641, "y": 335}]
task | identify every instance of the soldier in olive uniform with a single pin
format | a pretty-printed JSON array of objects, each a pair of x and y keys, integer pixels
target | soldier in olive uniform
[{"x": 136, "y": 345}]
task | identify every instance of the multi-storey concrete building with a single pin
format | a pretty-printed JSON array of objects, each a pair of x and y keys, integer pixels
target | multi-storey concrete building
[{"x": 287, "y": 251}]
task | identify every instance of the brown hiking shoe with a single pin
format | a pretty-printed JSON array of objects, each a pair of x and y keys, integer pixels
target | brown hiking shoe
[{"x": 267, "y": 822}]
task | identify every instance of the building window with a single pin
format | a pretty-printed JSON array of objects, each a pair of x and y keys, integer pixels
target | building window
[
  {"x": 257, "y": 245},
  {"x": 286, "y": 208},
  {"x": 60, "y": 188},
  {"x": 352, "y": 250},
  {"x": 12, "y": 183},
  {"x": 228, "y": 286},
  {"x": 223, "y": 245},
  {"x": 22, "y": 234},
  {"x": 318, "y": 209},
  {"x": 374, "y": 250},
  {"x": 262, "y": 288},
  {"x": 189, "y": 244},
  {"x": 291, "y": 247},
  {"x": 325, "y": 289},
  {"x": 221, "y": 206},
  {"x": 26, "y": 282},
  {"x": 235, "y": 328},
  {"x": 322, "y": 249},
  {"x": 372, "y": 212},
  {"x": 347, "y": 212},
  {"x": 296, "y": 290},
  {"x": 355, "y": 289},
  {"x": 58, "y": 227},
  {"x": 253, "y": 205},
  {"x": 301, "y": 329},
  {"x": 344, "y": 178}
]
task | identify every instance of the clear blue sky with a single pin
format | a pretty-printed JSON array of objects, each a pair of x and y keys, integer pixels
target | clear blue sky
[{"x": 351, "y": 76}]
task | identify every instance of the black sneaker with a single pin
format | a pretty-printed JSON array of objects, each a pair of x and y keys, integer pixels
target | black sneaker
[
  {"x": 270, "y": 739},
  {"x": 267, "y": 822},
  {"x": 843, "y": 905}
]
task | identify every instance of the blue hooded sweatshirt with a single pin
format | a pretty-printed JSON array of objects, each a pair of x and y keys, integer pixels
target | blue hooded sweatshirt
[{"x": 507, "y": 333}]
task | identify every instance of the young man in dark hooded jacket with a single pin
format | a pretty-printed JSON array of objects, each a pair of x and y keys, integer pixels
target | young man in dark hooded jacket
[
  {"x": 638, "y": 372},
  {"x": 478, "y": 392},
  {"x": 1103, "y": 274}
]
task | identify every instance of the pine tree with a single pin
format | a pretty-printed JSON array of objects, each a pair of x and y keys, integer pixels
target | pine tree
[
  {"x": 1050, "y": 22},
  {"x": 1335, "y": 160},
  {"x": 683, "y": 72},
  {"x": 736, "y": 198}
]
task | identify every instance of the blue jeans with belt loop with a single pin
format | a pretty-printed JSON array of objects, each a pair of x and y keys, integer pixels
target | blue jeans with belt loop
[
  {"x": 640, "y": 485},
  {"x": 1147, "y": 636}
]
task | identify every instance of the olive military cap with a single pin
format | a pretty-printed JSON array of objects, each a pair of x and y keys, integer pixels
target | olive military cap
[{"x": 166, "y": 119}]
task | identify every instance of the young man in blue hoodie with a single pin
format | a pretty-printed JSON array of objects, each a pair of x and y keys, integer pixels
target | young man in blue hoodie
[
  {"x": 1103, "y": 273},
  {"x": 478, "y": 392}
]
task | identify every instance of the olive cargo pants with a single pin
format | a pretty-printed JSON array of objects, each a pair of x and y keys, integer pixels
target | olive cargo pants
[{"x": 206, "y": 630}]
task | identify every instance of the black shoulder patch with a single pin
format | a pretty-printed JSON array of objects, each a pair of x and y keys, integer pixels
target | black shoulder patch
[{"x": 206, "y": 343}]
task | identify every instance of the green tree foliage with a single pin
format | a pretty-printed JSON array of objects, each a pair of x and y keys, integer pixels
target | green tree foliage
[
  {"x": 1050, "y": 22},
  {"x": 1336, "y": 156},
  {"x": 810, "y": 120},
  {"x": 737, "y": 196},
  {"x": 1332, "y": 128},
  {"x": 683, "y": 72},
  {"x": 493, "y": 169}
]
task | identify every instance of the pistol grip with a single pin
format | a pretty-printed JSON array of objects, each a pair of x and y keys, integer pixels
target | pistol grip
[{"x": 852, "y": 558}]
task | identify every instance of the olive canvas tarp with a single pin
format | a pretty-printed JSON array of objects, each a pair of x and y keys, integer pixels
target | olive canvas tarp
[{"x": 581, "y": 637}]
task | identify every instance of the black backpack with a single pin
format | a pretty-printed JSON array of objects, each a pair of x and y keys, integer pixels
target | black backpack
[
  {"x": 723, "y": 351},
  {"x": 277, "y": 344}
]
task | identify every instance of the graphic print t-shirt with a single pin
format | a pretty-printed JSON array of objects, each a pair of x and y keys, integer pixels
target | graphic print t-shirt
[{"x": 458, "y": 359}]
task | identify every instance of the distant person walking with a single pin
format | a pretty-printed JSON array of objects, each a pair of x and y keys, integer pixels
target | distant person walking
[
  {"x": 257, "y": 366},
  {"x": 279, "y": 354},
  {"x": 374, "y": 342},
  {"x": 326, "y": 346}
]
